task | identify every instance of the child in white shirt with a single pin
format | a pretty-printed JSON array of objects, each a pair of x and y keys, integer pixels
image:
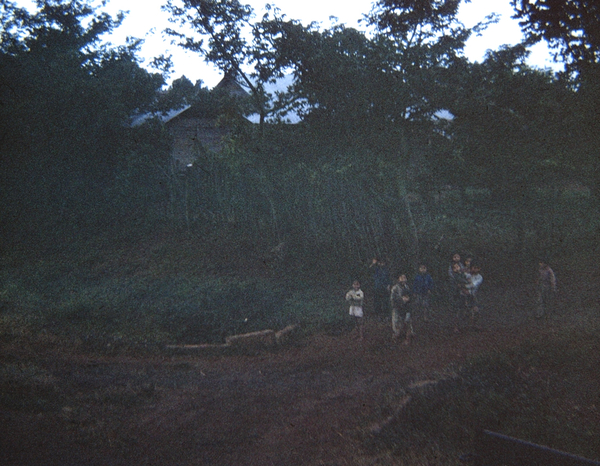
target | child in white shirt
[{"x": 356, "y": 298}]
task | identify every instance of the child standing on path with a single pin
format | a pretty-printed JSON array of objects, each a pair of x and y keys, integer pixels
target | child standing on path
[
  {"x": 475, "y": 281},
  {"x": 400, "y": 298},
  {"x": 381, "y": 290},
  {"x": 546, "y": 288},
  {"x": 356, "y": 297},
  {"x": 454, "y": 259},
  {"x": 458, "y": 294},
  {"x": 422, "y": 289}
]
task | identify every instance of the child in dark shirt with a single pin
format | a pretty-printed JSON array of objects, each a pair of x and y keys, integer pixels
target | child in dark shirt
[
  {"x": 422, "y": 289},
  {"x": 459, "y": 294},
  {"x": 381, "y": 290},
  {"x": 467, "y": 264}
]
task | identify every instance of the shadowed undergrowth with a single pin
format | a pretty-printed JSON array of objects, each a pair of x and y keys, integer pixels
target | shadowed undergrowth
[
  {"x": 545, "y": 391},
  {"x": 146, "y": 309}
]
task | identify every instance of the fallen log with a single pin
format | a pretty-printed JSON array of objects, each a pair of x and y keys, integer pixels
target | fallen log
[
  {"x": 254, "y": 340},
  {"x": 204, "y": 349},
  {"x": 260, "y": 339},
  {"x": 285, "y": 335}
]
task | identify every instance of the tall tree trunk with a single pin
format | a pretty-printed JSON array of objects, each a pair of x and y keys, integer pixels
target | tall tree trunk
[
  {"x": 402, "y": 182},
  {"x": 413, "y": 251}
]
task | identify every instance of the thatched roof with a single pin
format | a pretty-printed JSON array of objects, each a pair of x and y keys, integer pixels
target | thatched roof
[
  {"x": 231, "y": 85},
  {"x": 162, "y": 116}
]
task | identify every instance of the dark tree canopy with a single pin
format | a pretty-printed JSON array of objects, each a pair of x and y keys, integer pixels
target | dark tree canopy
[
  {"x": 66, "y": 100},
  {"x": 218, "y": 30},
  {"x": 415, "y": 20},
  {"x": 572, "y": 27}
]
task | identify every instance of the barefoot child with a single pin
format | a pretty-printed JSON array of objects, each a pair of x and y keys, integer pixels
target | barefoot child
[
  {"x": 458, "y": 298},
  {"x": 546, "y": 288},
  {"x": 475, "y": 281},
  {"x": 381, "y": 290},
  {"x": 422, "y": 289},
  {"x": 356, "y": 297},
  {"x": 400, "y": 298}
]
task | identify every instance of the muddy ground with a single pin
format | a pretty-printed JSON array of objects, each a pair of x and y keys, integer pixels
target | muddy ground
[{"x": 313, "y": 402}]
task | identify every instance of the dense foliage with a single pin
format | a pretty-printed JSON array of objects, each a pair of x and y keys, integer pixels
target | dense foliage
[
  {"x": 571, "y": 30},
  {"x": 571, "y": 27},
  {"x": 405, "y": 147},
  {"x": 66, "y": 102}
]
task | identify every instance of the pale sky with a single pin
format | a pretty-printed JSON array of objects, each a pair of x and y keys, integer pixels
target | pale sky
[{"x": 146, "y": 20}]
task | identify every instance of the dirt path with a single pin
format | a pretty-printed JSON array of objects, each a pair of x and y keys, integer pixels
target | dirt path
[{"x": 307, "y": 404}]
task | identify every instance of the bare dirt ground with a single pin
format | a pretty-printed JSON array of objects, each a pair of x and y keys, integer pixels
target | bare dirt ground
[{"x": 311, "y": 403}]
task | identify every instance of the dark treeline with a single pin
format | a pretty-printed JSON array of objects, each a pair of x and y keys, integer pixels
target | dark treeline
[{"x": 405, "y": 147}]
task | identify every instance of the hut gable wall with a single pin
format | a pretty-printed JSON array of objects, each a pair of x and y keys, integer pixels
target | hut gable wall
[{"x": 193, "y": 136}]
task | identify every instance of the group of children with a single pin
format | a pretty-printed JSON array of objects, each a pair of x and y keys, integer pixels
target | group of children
[
  {"x": 405, "y": 300},
  {"x": 464, "y": 280}
]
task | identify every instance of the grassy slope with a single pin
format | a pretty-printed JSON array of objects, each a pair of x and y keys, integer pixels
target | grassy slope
[{"x": 166, "y": 287}]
